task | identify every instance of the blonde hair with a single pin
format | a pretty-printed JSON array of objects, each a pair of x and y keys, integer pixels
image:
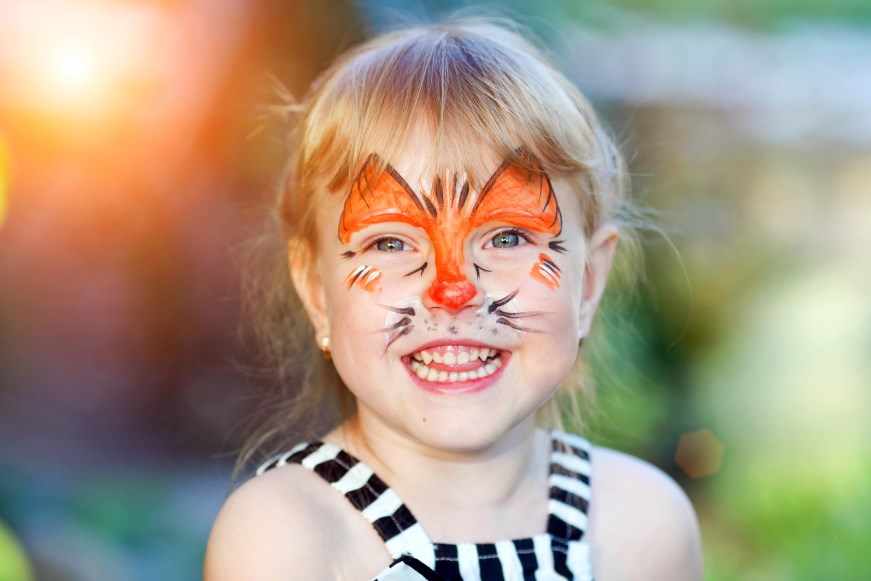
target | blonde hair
[{"x": 468, "y": 86}]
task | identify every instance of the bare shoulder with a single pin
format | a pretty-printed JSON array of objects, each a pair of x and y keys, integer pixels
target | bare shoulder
[
  {"x": 642, "y": 525},
  {"x": 284, "y": 524}
]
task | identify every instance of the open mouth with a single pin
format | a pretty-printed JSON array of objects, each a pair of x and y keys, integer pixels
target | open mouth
[{"x": 454, "y": 363}]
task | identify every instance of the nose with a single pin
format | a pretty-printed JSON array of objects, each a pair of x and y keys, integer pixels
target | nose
[{"x": 452, "y": 295}]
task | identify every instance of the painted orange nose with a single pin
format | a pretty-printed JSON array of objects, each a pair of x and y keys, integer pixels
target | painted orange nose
[{"x": 452, "y": 295}]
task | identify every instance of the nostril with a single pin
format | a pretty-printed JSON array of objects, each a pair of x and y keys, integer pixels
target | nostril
[{"x": 452, "y": 295}]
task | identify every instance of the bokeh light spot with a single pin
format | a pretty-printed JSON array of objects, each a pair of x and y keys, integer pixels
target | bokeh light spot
[
  {"x": 74, "y": 66},
  {"x": 699, "y": 454}
]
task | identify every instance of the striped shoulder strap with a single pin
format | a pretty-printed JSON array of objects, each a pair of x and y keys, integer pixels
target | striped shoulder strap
[
  {"x": 569, "y": 482},
  {"x": 376, "y": 501}
]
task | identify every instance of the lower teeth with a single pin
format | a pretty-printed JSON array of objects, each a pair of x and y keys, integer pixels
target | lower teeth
[{"x": 424, "y": 372}]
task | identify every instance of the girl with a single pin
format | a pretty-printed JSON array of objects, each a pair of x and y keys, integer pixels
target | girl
[{"x": 451, "y": 211}]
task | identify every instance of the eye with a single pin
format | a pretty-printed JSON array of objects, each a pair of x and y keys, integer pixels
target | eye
[
  {"x": 390, "y": 245},
  {"x": 506, "y": 239}
]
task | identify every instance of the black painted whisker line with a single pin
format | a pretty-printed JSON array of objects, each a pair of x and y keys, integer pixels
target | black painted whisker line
[
  {"x": 479, "y": 270},
  {"x": 404, "y": 321},
  {"x": 420, "y": 269},
  {"x": 464, "y": 193},
  {"x": 558, "y": 218},
  {"x": 404, "y": 185},
  {"x": 430, "y": 207},
  {"x": 358, "y": 273},
  {"x": 553, "y": 274},
  {"x": 515, "y": 326},
  {"x": 550, "y": 264},
  {"x": 490, "y": 183},
  {"x": 557, "y": 245},
  {"x": 501, "y": 302},
  {"x": 399, "y": 310},
  {"x": 402, "y": 332},
  {"x": 367, "y": 192},
  {"x": 521, "y": 315},
  {"x": 348, "y": 254}
]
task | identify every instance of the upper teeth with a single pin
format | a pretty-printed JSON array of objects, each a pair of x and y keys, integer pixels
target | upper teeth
[
  {"x": 451, "y": 358},
  {"x": 424, "y": 372}
]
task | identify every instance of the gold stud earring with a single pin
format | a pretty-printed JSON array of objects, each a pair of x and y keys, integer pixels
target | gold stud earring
[{"x": 324, "y": 345}]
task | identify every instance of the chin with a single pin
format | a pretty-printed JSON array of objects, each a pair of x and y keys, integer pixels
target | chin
[{"x": 463, "y": 435}]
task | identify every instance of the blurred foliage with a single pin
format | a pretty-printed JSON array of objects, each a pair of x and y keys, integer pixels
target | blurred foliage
[{"x": 13, "y": 561}]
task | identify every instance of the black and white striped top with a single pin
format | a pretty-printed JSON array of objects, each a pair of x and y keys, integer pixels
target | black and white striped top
[{"x": 560, "y": 553}]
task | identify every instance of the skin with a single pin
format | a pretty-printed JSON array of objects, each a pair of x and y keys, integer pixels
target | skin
[{"x": 469, "y": 463}]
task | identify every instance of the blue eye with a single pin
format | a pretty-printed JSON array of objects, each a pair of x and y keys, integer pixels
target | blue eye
[
  {"x": 390, "y": 245},
  {"x": 506, "y": 239}
]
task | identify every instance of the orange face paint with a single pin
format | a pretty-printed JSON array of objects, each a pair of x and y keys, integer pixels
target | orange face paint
[
  {"x": 546, "y": 271},
  {"x": 513, "y": 195},
  {"x": 364, "y": 277}
]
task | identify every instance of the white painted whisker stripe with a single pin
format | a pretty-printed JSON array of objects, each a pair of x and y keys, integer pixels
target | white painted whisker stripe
[
  {"x": 550, "y": 268},
  {"x": 547, "y": 275},
  {"x": 373, "y": 275}
]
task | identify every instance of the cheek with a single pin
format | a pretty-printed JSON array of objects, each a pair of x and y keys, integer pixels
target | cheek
[{"x": 362, "y": 304}]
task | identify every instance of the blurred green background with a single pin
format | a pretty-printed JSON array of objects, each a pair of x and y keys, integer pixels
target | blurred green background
[{"x": 134, "y": 162}]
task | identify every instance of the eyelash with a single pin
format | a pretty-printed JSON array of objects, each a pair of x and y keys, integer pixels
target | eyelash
[
  {"x": 523, "y": 235},
  {"x": 374, "y": 242}
]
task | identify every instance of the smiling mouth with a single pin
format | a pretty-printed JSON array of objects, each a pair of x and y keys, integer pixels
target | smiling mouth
[{"x": 455, "y": 363}]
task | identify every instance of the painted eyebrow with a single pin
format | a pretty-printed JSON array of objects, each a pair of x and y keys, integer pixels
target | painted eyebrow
[
  {"x": 361, "y": 182},
  {"x": 426, "y": 206}
]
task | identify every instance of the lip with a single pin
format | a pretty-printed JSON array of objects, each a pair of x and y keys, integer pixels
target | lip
[{"x": 469, "y": 386}]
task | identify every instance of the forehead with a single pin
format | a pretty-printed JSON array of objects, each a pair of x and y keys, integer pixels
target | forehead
[{"x": 424, "y": 155}]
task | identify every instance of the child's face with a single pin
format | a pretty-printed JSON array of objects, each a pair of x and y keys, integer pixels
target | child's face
[{"x": 454, "y": 314}]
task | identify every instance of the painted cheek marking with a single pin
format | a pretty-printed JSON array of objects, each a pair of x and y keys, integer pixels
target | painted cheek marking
[
  {"x": 363, "y": 276},
  {"x": 419, "y": 269},
  {"x": 546, "y": 271},
  {"x": 557, "y": 246},
  {"x": 479, "y": 270}
]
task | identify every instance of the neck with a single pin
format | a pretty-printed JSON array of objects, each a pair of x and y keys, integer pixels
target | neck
[{"x": 448, "y": 489}]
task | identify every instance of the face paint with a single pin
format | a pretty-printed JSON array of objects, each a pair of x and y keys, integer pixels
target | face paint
[
  {"x": 546, "y": 271},
  {"x": 513, "y": 195},
  {"x": 399, "y": 321},
  {"x": 364, "y": 277}
]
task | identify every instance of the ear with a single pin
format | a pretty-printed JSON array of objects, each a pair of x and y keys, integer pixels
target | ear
[
  {"x": 600, "y": 256},
  {"x": 307, "y": 281}
]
